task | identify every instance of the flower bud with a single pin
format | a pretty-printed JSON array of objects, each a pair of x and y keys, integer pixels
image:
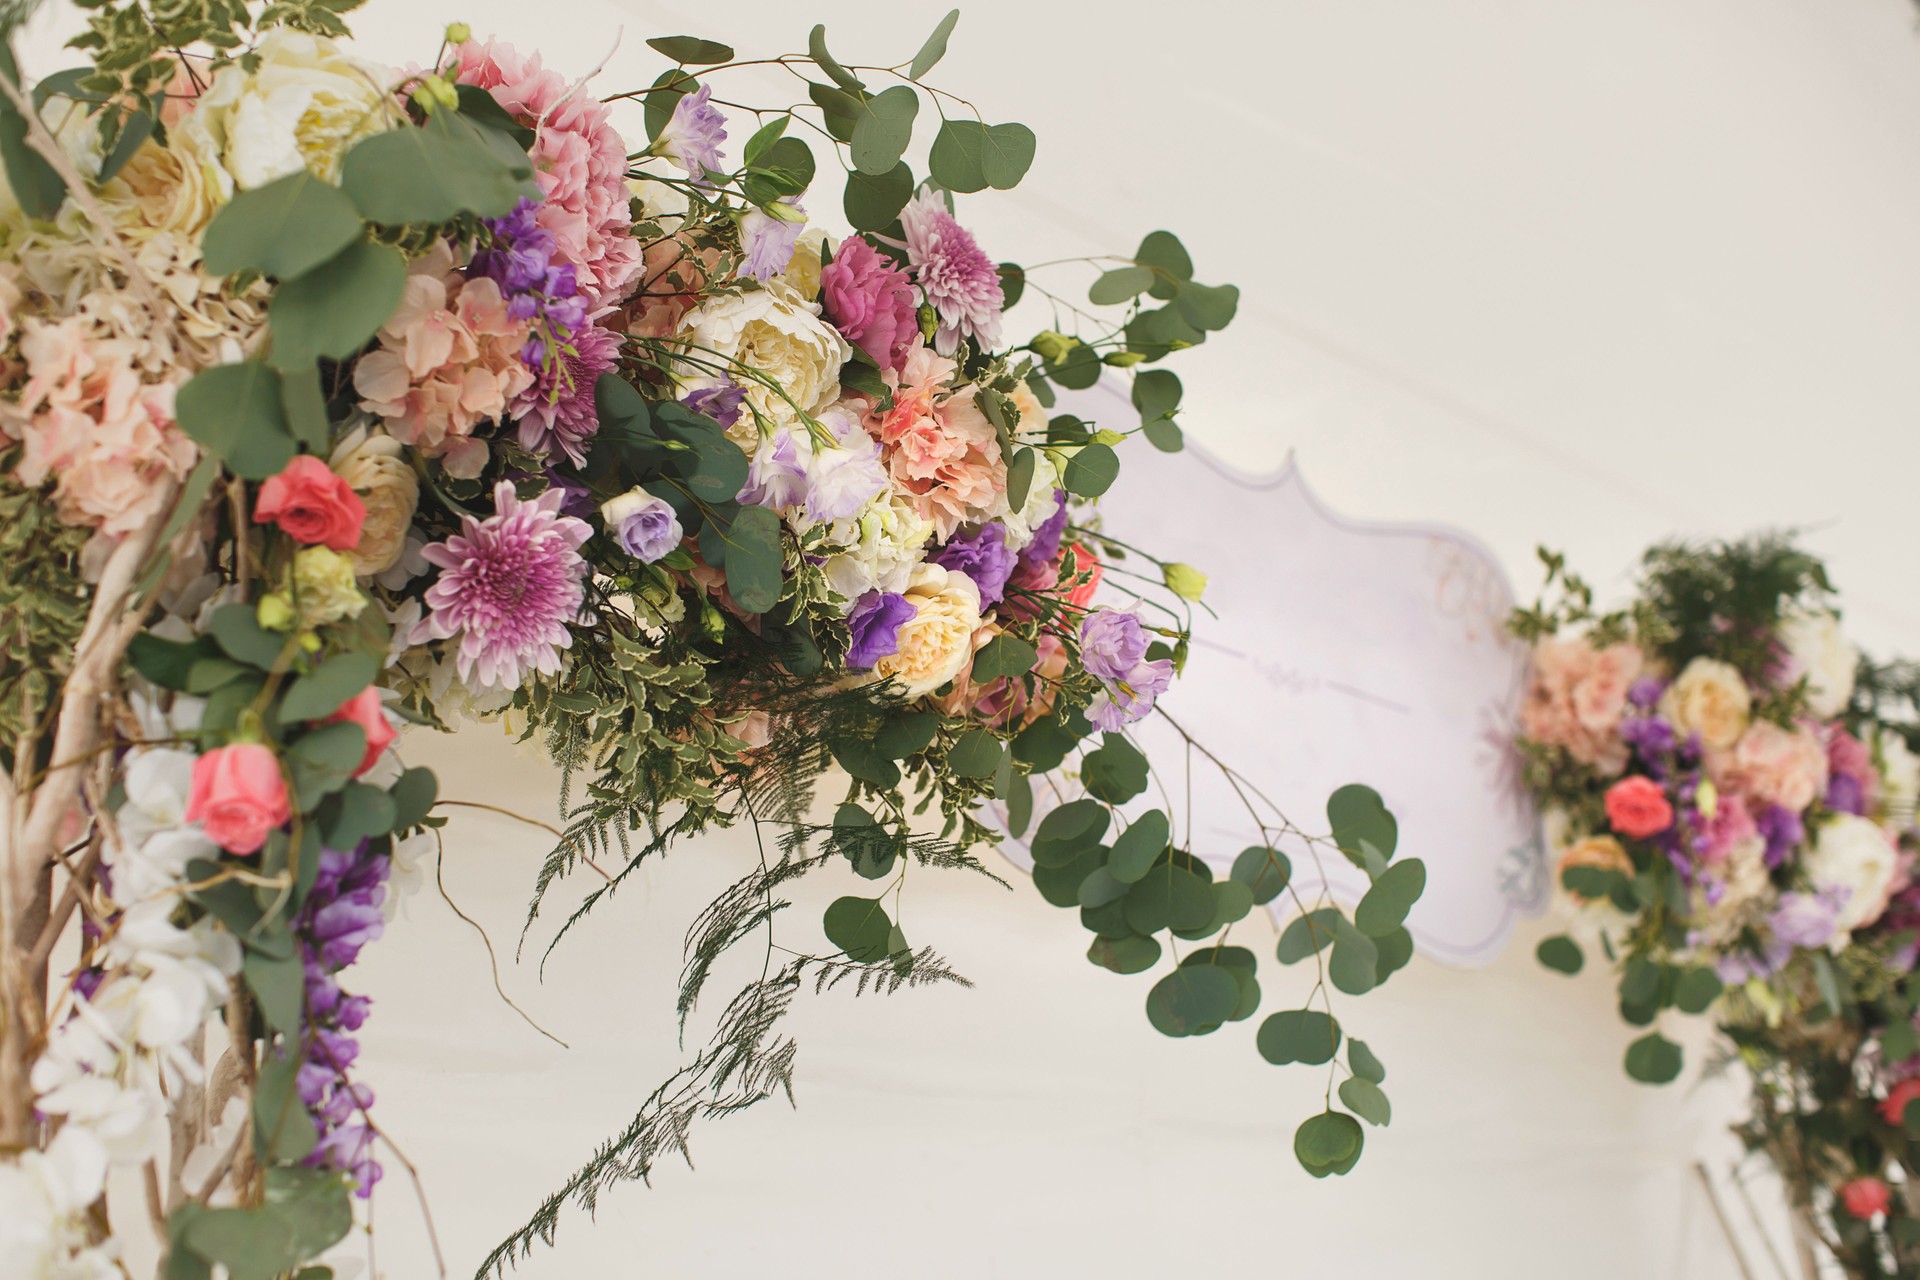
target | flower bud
[
  {"x": 1184, "y": 580},
  {"x": 275, "y": 613},
  {"x": 1052, "y": 347},
  {"x": 1122, "y": 359},
  {"x": 458, "y": 33}
]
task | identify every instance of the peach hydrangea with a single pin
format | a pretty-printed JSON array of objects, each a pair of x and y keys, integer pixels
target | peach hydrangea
[
  {"x": 940, "y": 450},
  {"x": 579, "y": 161},
  {"x": 448, "y": 361},
  {"x": 1577, "y": 696}
]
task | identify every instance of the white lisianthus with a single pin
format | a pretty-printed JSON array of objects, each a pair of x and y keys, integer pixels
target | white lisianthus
[
  {"x": 938, "y": 639},
  {"x": 1854, "y": 854},
  {"x": 881, "y": 547},
  {"x": 776, "y": 331},
  {"x": 1826, "y": 657},
  {"x": 1043, "y": 500},
  {"x": 306, "y": 105},
  {"x": 1899, "y": 775}
]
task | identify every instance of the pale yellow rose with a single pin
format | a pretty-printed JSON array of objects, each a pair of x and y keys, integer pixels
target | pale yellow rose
[
  {"x": 177, "y": 188},
  {"x": 938, "y": 640},
  {"x": 374, "y": 465},
  {"x": 775, "y": 331},
  {"x": 323, "y": 583},
  {"x": 803, "y": 272},
  {"x": 1709, "y": 699}
]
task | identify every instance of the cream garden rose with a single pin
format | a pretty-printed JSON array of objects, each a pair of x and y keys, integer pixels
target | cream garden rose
[
  {"x": 1709, "y": 699},
  {"x": 1854, "y": 854},
  {"x": 305, "y": 106},
  {"x": 772, "y": 329},
  {"x": 1824, "y": 655},
  {"x": 374, "y": 466},
  {"x": 938, "y": 640}
]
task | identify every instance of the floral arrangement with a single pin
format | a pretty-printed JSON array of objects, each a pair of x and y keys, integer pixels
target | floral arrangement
[
  {"x": 1731, "y": 791},
  {"x": 337, "y": 397}
]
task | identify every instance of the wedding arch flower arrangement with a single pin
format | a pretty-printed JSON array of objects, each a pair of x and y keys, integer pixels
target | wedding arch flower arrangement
[
  {"x": 1730, "y": 788},
  {"x": 339, "y": 397}
]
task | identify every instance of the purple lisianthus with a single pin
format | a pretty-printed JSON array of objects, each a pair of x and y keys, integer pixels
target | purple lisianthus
[
  {"x": 1652, "y": 739},
  {"x": 720, "y": 402},
  {"x": 1112, "y": 644},
  {"x": 1809, "y": 919},
  {"x": 983, "y": 556},
  {"x": 1783, "y": 831},
  {"x": 1047, "y": 534},
  {"x": 1846, "y": 795},
  {"x": 961, "y": 282},
  {"x": 870, "y": 301},
  {"x": 692, "y": 135},
  {"x": 792, "y": 470},
  {"x": 1119, "y": 703},
  {"x": 874, "y": 625},
  {"x": 768, "y": 242},
  {"x": 646, "y": 527}
]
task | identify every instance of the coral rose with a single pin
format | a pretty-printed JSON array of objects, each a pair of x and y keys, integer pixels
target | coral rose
[
  {"x": 1865, "y": 1197},
  {"x": 311, "y": 505},
  {"x": 364, "y": 709},
  {"x": 1638, "y": 808},
  {"x": 238, "y": 796},
  {"x": 1893, "y": 1108}
]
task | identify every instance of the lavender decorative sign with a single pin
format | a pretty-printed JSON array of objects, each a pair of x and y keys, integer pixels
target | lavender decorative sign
[{"x": 1342, "y": 648}]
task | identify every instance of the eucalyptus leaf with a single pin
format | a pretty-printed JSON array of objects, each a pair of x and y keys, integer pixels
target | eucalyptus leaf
[
  {"x": 234, "y": 411},
  {"x": 935, "y": 48},
  {"x": 692, "y": 50},
  {"x": 333, "y": 309},
  {"x": 321, "y": 691},
  {"x": 1191, "y": 999},
  {"x": 859, "y": 927},
  {"x": 283, "y": 229},
  {"x": 882, "y": 129},
  {"x": 1298, "y": 1035},
  {"x": 1136, "y": 848}
]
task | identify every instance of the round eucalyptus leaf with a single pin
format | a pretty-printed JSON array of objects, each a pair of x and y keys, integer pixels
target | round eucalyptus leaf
[
  {"x": 1136, "y": 849},
  {"x": 1129, "y": 954},
  {"x": 1265, "y": 871},
  {"x": 1328, "y": 1141},
  {"x": 1192, "y": 997},
  {"x": 1169, "y": 898},
  {"x": 1385, "y": 906},
  {"x": 1298, "y": 1035},
  {"x": 1069, "y": 831},
  {"x": 1561, "y": 954},
  {"x": 1653, "y": 1059},
  {"x": 859, "y": 927},
  {"x": 1365, "y": 1099}
]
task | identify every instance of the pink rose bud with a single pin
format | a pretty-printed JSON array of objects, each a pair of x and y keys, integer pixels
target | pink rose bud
[
  {"x": 238, "y": 796},
  {"x": 312, "y": 505},
  {"x": 1865, "y": 1197},
  {"x": 1638, "y": 808},
  {"x": 1893, "y": 1108},
  {"x": 363, "y": 709}
]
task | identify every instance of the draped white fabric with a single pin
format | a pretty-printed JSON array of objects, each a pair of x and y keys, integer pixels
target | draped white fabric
[{"x": 1589, "y": 273}]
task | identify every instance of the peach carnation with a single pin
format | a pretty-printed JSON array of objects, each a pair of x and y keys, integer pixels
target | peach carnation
[
  {"x": 448, "y": 361},
  {"x": 1576, "y": 698},
  {"x": 1787, "y": 767},
  {"x": 942, "y": 453},
  {"x": 579, "y": 160}
]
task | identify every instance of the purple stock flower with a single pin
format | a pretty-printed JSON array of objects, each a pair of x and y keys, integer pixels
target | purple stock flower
[
  {"x": 1846, "y": 795},
  {"x": 721, "y": 402},
  {"x": 341, "y": 915},
  {"x": 1112, "y": 644},
  {"x": 645, "y": 526},
  {"x": 1646, "y": 692},
  {"x": 874, "y": 624},
  {"x": 983, "y": 556},
  {"x": 768, "y": 242},
  {"x": 692, "y": 136},
  {"x": 1783, "y": 831},
  {"x": 520, "y": 259},
  {"x": 1652, "y": 739}
]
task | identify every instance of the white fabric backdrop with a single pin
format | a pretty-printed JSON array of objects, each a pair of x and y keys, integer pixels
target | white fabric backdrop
[{"x": 1580, "y": 272}]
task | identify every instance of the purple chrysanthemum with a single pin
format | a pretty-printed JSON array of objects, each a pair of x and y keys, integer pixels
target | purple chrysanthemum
[
  {"x": 557, "y": 411},
  {"x": 961, "y": 283},
  {"x": 983, "y": 556},
  {"x": 508, "y": 587},
  {"x": 692, "y": 136}
]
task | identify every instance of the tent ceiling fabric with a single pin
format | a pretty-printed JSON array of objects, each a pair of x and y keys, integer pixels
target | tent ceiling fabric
[{"x": 1588, "y": 274}]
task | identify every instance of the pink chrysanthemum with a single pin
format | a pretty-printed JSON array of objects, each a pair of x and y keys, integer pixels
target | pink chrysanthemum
[
  {"x": 508, "y": 587},
  {"x": 579, "y": 161},
  {"x": 961, "y": 282},
  {"x": 557, "y": 411}
]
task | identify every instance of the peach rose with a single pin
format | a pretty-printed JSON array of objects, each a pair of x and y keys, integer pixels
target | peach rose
[
  {"x": 238, "y": 796},
  {"x": 364, "y": 709},
  {"x": 1778, "y": 766},
  {"x": 1603, "y": 853},
  {"x": 1709, "y": 699},
  {"x": 1576, "y": 697},
  {"x": 938, "y": 640},
  {"x": 311, "y": 505}
]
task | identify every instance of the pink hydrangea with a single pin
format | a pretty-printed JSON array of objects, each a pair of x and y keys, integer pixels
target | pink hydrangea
[
  {"x": 580, "y": 162},
  {"x": 89, "y": 423},
  {"x": 941, "y": 452},
  {"x": 870, "y": 301},
  {"x": 1576, "y": 698},
  {"x": 1730, "y": 827},
  {"x": 448, "y": 361}
]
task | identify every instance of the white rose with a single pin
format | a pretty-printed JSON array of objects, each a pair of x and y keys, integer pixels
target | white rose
[
  {"x": 1900, "y": 776},
  {"x": 374, "y": 465},
  {"x": 938, "y": 640},
  {"x": 1824, "y": 655},
  {"x": 772, "y": 330},
  {"x": 1854, "y": 854},
  {"x": 1709, "y": 699},
  {"x": 881, "y": 547},
  {"x": 305, "y": 106}
]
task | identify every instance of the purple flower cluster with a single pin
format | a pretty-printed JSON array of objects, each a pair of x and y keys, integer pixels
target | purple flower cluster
[
  {"x": 521, "y": 261},
  {"x": 984, "y": 557},
  {"x": 341, "y": 915},
  {"x": 1783, "y": 830}
]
